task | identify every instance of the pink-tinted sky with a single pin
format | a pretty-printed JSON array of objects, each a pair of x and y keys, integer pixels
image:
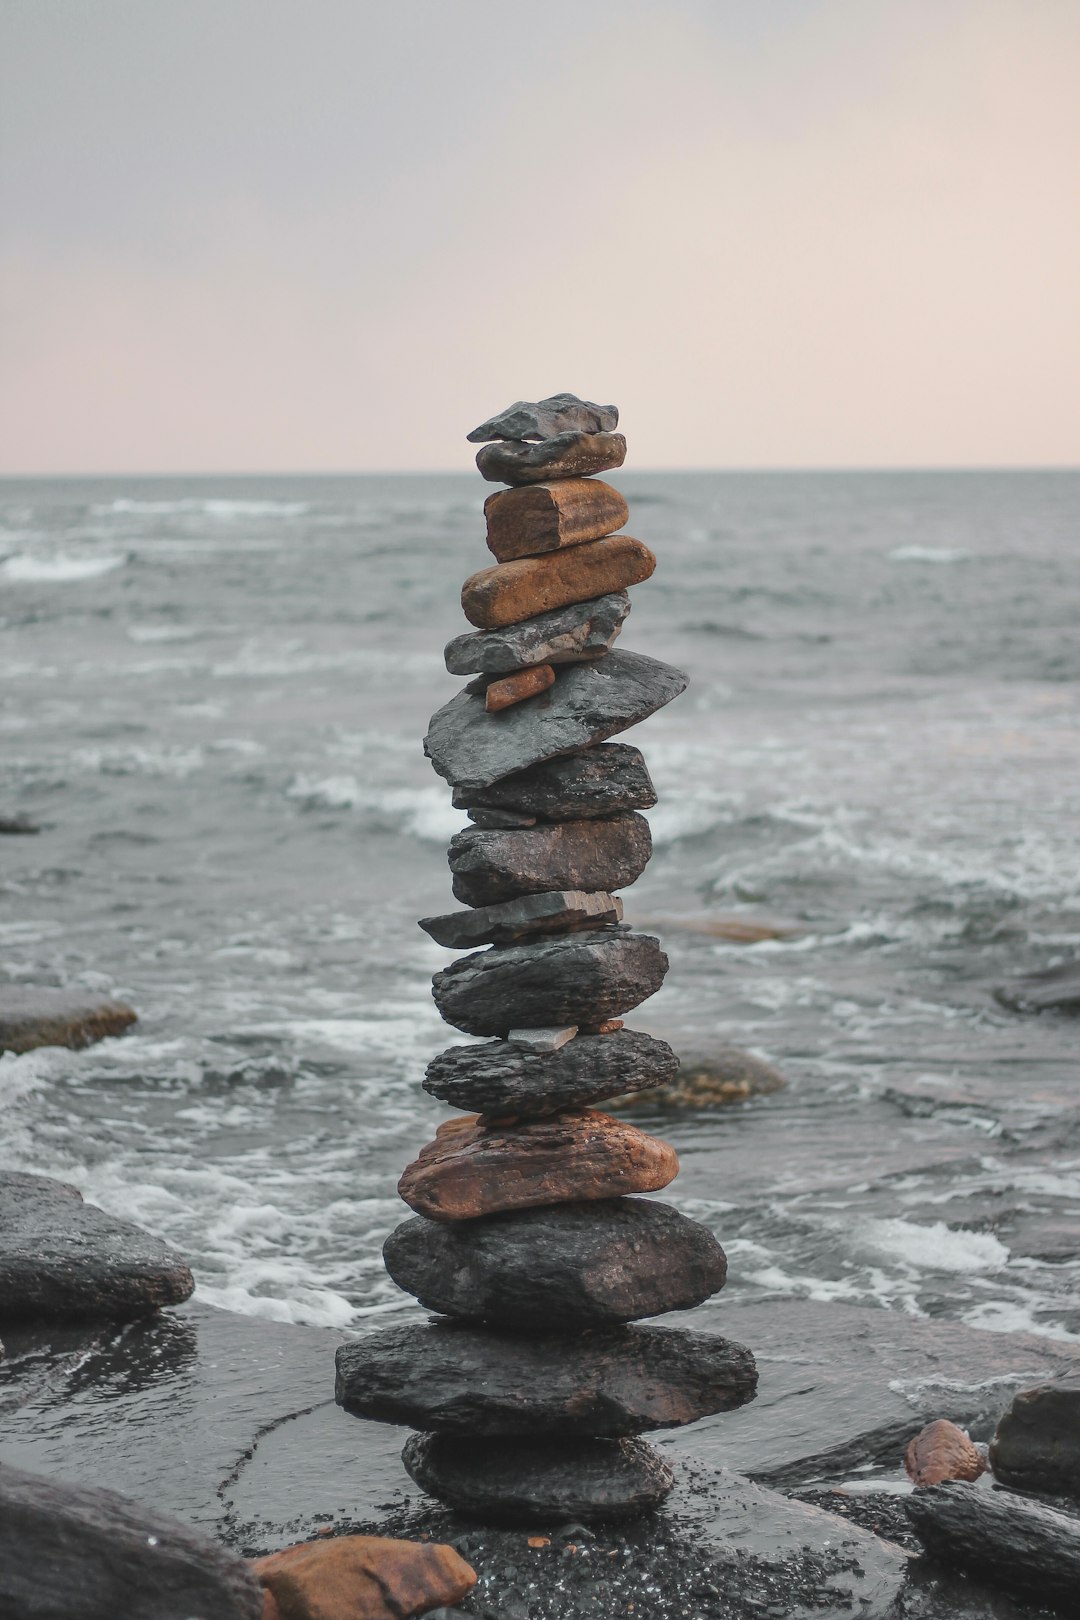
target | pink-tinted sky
[{"x": 334, "y": 234}]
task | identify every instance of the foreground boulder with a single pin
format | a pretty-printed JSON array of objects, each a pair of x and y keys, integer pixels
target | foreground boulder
[
  {"x": 592, "y": 856},
  {"x": 565, "y": 455},
  {"x": 64, "y": 1260},
  {"x": 453, "y": 1378},
  {"x": 32, "y": 1016},
  {"x": 1037, "y": 1444},
  {"x": 601, "y": 781},
  {"x": 1001, "y": 1539},
  {"x": 69, "y": 1553},
  {"x": 361, "y": 1578}
]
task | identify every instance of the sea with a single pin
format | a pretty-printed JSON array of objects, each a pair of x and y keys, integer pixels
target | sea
[{"x": 213, "y": 695}]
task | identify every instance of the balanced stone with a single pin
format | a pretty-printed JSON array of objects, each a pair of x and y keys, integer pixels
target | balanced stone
[
  {"x": 525, "y": 1481},
  {"x": 572, "y": 979},
  {"x": 562, "y": 911},
  {"x": 490, "y": 864},
  {"x": 599, "y": 781},
  {"x": 564, "y": 455},
  {"x": 502, "y": 819},
  {"x": 472, "y": 1168},
  {"x": 507, "y": 1077},
  {"x": 511, "y": 689},
  {"x": 543, "y": 418},
  {"x": 512, "y": 591},
  {"x": 545, "y": 517},
  {"x": 588, "y": 703},
  {"x": 569, "y": 635},
  {"x": 1037, "y": 1444},
  {"x": 454, "y": 1378},
  {"x": 571, "y": 1265}
]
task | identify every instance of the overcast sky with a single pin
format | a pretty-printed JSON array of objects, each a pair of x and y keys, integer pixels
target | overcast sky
[{"x": 334, "y": 234}]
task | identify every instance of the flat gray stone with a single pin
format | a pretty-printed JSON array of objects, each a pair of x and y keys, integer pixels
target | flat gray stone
[
  {"x": 1055, "y": 990},
  {"x": 567, "y": 635},
  {"x": 587, "y": 704},
  {"x": 1001, "y": 1539},
  {"x": 551, "y": 1038},
  {"x": 544, "y": 418},
  {"x": 503, "y": 819},
  {"x": 36, "y": 1015},
  {"x": 508, "y": 1077},
  {"x": 563, "y": 911},
  {"x": 1037, "y": 1443},
  {"x": 605, "y": 780},
  {"x": 564, "y": 455},
  {"x": 491, "y": 865}
]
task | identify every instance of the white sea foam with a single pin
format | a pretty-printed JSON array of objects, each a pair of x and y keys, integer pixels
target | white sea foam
[
  {"x": 929, "y": 554},
  {"x": 162, "y": 632},
  {"x": 423, "y": 813},
  {"x": 934, "y": 1247},
  {"x": 213, "y": 507},
  {"x": 24, "y": 568}
]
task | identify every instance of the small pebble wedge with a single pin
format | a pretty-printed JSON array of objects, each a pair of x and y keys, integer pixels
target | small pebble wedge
[
  {"x": 601, "y": 781},
  {"x": 513, "y": 591},
  {"x": 514, "y": 1078},
  {"x": 537, "y": 518},
  {"x": 511, "y": 689},
  {"x": 543, "y": 418},
  {"x": 562, "y": 911},
  {"x": 569, "y": 635},
  {"x": 564, "y": 455},
  {"x": 491, "y": 865},
  {"x": 473, "y": 1169}
]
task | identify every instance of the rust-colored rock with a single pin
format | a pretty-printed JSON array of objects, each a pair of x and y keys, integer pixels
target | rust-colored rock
[
  {"x": 536, "y": 518},
  {"x": 513, "y": 591},
  {"x": 942, "y": 1451},
  {"x": 516, "y": 688},
  {"x": 361, "y": 1578},
  {"x": 33, "y": 1015},
  {"x": 470, "y": 1170}
]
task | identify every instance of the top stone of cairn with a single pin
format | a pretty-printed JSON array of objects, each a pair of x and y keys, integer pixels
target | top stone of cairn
[{"x": 543, "y": 419}]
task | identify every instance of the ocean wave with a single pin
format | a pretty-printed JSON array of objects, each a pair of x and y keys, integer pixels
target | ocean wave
[
  {"x": 929, "y": 554},
  {"x": 214, "y": 507},
  {"x": 60, "y": 569},
  {"x": 424, "y": 813}
]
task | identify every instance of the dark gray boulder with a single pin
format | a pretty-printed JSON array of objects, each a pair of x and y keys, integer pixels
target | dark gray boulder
[
  {"x": 567, "y": 635},
  {"x": 525, "y": 1481},
  {"x": 73, "y": 1553},
  {"x": 453, "y": 1378},
  {"x": 604, "y": 780},
  {"x": 507, "y": 1077},
  {"x": 1037, "y": 1443},
  {"x": 563, "y": 911},
  {"x": 564, "y": 455},
  {"x": 1001, "y": 1539},
  {"x": 560, "y": 1267},
  {"x": 598, "y": 856},
  {"x": 35, "y": 1015},
  {"x": 588, "y": 703},
  {"x": 572, "y": 979},
  {"x": 64, "y": 1260},
  {"x": 544, "y": 418},
  {"x": 1057, "y": 989}
]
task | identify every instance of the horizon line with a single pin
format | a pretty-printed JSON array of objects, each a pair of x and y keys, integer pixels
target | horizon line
[{"x": 449, "y": 472}]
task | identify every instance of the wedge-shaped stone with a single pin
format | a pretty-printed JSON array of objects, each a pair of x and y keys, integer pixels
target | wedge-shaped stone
[
  {"x": 563, "y": 911},
  {"x": 506, "y": 1077},
  {"x": 571, "y": 979},
  {"x": 453, "y": 1378},
  {"x": 542, "y": 418},
  {"x": 493, "y": 864},
  {"x": 536, "y": 1481},
  {"x": 564, "y": 455},
  {"x": 512, "y": 591},
  {"x": 569, "y": 635},
  {"x": 588, "y": 703},
  {"x": 570, "y": 1265},
  {"x": 511, "y": 689},
  {"x": 536, "y": 518},
  {"x": 599, "y": 781}
]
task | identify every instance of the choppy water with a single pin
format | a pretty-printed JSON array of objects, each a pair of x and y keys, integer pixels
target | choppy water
[{"x": 212, "y": 695}]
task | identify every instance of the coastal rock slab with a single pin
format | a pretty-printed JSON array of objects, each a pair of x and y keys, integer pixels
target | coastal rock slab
[
  {"x": 525, "y": 1481},
  {"x": 564, "y": 455},
  {"x": 453, "y": 1378},
  {"x": 605, "y": 780},
  {"x": 33, "y": 1016},
  {"x": 1037, "y": 1443},
  {"x": 569, "y": 635},
  {"x": 588, "y": 703},
  {"x": 505, "y": 1077},
  {"x": 571, "y": 1265},
  {"x": 490, "y": 866},
  {"x": 1055, "y": 990},
  {"x": 543, "y": 418},
  {"x": 64, "y": 1260},
  {"x": 76, "y": 1553},
  {"x": 474, "y": 1168},
  {"x": 513, "y": 591},
  {"x": 577, "y": 979},
  {"x": 536, "y": 518},
  {"x": 1001, "y": 1539},
  {"x": 561, "y": 911},
  {"x": 374, "y": 1577}
]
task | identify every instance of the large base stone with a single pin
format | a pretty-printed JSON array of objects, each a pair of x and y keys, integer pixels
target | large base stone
[
  {"x": 604, "y": 780},
  {"x": 595, "y": 856},
  {"x": 544, "y": 418},
  {"x": 508, "y": 1077},
  {"x": 564, "y": 911},
  {"x": 522, "y": 1481}
]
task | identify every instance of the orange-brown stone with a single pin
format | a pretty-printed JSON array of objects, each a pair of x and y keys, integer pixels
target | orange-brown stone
[
  {"x": 361, "y": 1578},
  {"x": 516, "y": 688},
  {"x": 475, "y": 1169},
  {"x": 536, "y": 518},
  {"x": 942, "y": 1451},
  {"x": 513, "y": 591}
]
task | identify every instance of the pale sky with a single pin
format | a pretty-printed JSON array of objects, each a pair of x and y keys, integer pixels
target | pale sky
[{"x": 290, "y": 235}]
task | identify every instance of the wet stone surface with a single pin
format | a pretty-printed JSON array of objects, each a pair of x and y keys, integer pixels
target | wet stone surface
[
  {"x": 605, "y": 780},
  {"x": 564, "y": 455},
  {"x": 508, "y": 1077},
  {"x": 594, "y": 856},
  {"x": 569, "y": 635}
]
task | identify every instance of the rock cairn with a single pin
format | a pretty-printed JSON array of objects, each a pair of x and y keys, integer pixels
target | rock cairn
[{"x": 531, "y": 1385}]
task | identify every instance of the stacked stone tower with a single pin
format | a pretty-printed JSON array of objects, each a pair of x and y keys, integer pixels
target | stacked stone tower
[{"x": 532, "y": 1383}]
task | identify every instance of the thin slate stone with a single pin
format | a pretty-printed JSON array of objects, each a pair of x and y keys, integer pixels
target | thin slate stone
[
  {"x": 1002, "y": 1540},
  {"x": 536, "y": 518},
  {"x": 564, "y": 455},
  {"x": 599, "y": 781},
  {"x": 544, "y": 418},
  {"x": 491, "y": 864},
  {"x": 508, "y": 1077},
  {"x": 568, "y": 635},
  {"x": 568, "y": 979},
  {"x": 502, "y": 819},
  {"x": 551, "y": 1039},
  {"x": 589, "y": 702},
  {"x": 561, "y": 911}
]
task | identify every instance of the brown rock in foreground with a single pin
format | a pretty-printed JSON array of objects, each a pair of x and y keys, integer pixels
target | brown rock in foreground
[
  {"x": 565, "y": 455},
  {"x": 470, "y": 1170},
  {"x": 363, "y": 1578},
  {"x": 503, "y": 694},
  {"x": 513, "y": 591},
  {"x": 545, "y": 517},
  {"x": 942, "y": 1451},
  {"x": 32, "y": 1016}
]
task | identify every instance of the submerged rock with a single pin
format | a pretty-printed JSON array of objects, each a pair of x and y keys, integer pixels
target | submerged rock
[
  {"x": 1055, "y": 990},
  {"x": 1001, "y": 1539},
  {"x": 453, "y": 1378},
  {"x": 370, "y": 1577},
  {"x": 559, "y": 911},
  {"x": 564, "y": 455},
  {"x": 543, "y": 418},
  {"x": 505, "y": 1077},
  {"x": 569, "y": 635},
  {"x": 32, "y": 1016},
  {"x": 64, "y": 1260},
  {"x": 522, "y": 1481},
  {"x": 604, "y": 780},
  {"x": 570, "y": 1265},
  {"x": 17, "y": 824},
  {"x": 512, "y": 591},
  {"x": 941, "y": 1451},
  {"x": 490, "y": 866},
  {"x": 473, "y": 1168},
  {"x": 536, "y": 518},
  {"x": 727, "y": 1075},
  {"x": 1037, "y": 1443}
]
